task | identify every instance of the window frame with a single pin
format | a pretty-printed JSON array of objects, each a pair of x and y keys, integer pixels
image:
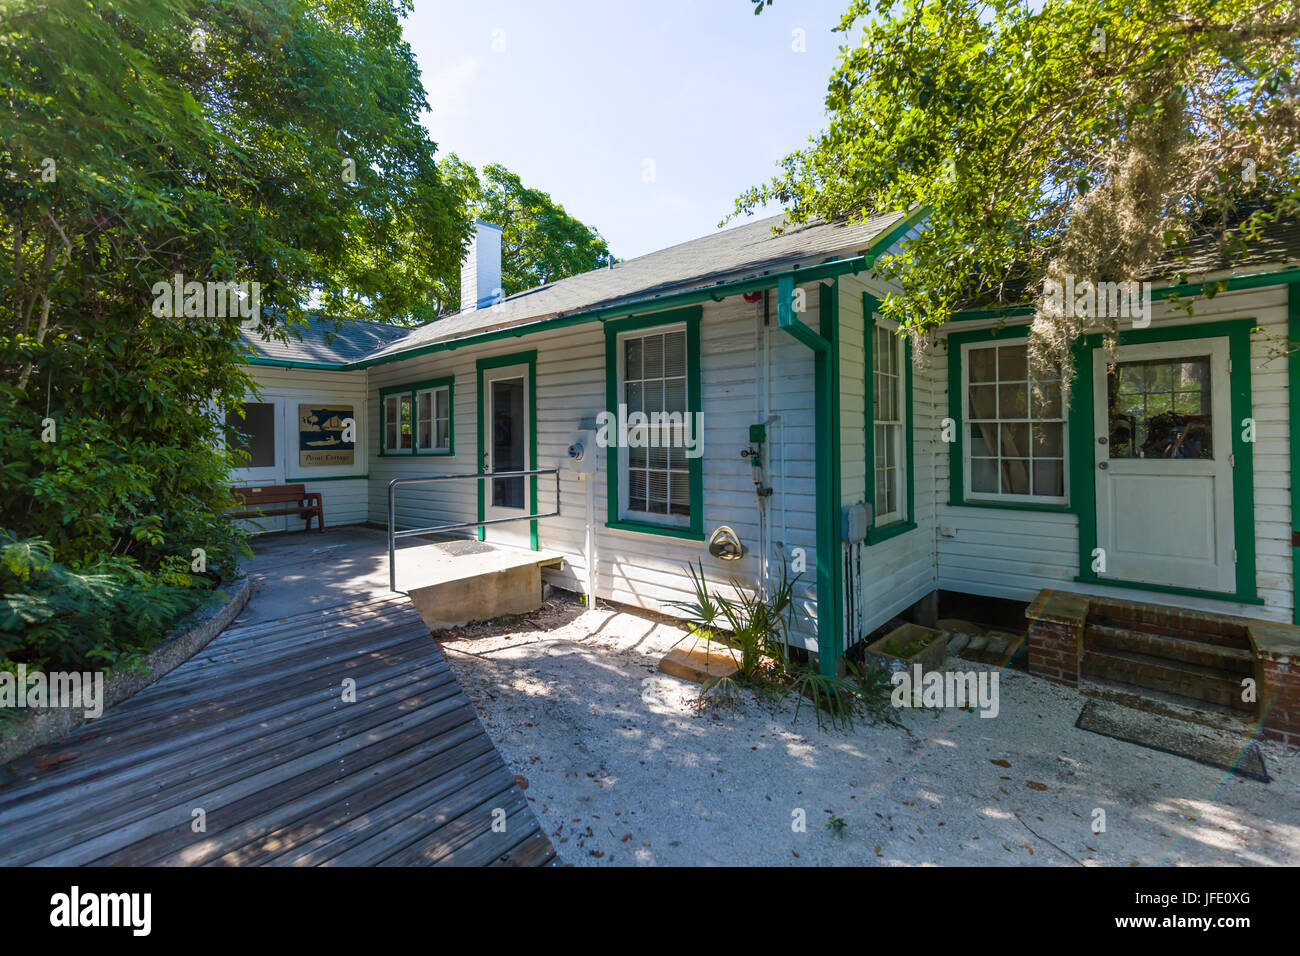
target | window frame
[
  {"x": 964, "y": 422},
  {"x": 250, "y": 471},
  {"x": 616, "y": 333},
  {"x": 411, "y": 392},
  {"x": 903, "y": 519}
]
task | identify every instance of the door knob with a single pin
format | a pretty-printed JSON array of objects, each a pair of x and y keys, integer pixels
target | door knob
[{"x": 1101, "y": 465}]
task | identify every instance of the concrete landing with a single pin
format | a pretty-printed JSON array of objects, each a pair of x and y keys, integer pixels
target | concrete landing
[{"x": 453, "y": 583}]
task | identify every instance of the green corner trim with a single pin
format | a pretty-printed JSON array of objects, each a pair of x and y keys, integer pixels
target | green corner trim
[
  {"x": 830, "y": 550},
  {"x": 1293, "y": 416},
  {"x": 694, "y": 401},
  {"x": 528, "y": 358}
]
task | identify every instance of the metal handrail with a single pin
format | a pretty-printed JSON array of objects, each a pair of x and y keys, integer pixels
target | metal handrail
[{"x": 394, "y": 534}]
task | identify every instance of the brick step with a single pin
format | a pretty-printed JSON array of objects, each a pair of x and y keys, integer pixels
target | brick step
[
  {"x": 1171, "y": 677},
  {"x": 1189, "y": 625},
  {"x": 1172, "y": 647}
]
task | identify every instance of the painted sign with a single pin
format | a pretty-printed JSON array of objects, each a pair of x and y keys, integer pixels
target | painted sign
[{"x": 326, "y": 435}]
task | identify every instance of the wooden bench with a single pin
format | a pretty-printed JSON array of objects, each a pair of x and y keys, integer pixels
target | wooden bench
[{"x": 292, "y": 499}]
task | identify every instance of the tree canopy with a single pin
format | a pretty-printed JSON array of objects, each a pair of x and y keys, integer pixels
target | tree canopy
[
  {"x": 274, "y": 142},
  {"x": 1078, "y": 137},
  {"x": 540, "y": 242}
]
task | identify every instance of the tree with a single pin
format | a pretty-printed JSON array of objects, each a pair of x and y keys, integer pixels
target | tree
[
  {"x": 540, "y": 242},
  {"x": 275, "y": 143},
  {"x": 1081, "y": 137}
]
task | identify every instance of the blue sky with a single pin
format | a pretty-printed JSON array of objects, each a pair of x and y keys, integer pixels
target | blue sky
[{"x": 576, "y": 96}]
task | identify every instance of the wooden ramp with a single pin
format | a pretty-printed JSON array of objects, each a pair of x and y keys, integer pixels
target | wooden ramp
[{"x": 253, "y": 738}]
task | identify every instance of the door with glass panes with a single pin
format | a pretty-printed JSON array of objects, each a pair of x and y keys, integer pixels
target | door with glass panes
[
  {"x": 506, "y": 404},
  {"x": 1163, "y": 464}
]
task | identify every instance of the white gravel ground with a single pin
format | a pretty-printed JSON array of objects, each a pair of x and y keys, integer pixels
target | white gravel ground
[{"x": 622, "y": 769}]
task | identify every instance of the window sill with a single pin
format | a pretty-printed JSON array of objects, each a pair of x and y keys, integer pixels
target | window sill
[
  {"x": 891, "y": 530},
  {"x": 416, "y": 454},
  {"x": 645, "y": 527},
  {"x": 1013, "y": 506}
]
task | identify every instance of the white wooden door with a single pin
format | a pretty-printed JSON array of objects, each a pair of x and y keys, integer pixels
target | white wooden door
[
  {"x": 507, "y": 400},
  {"x": 1163, "y": 464}
]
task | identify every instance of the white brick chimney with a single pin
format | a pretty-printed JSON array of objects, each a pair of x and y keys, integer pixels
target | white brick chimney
[{"x": 480, "y": 273}]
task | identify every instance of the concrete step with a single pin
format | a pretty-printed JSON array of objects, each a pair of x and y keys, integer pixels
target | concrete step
[
  {"x": 1190, "y": 681},
  {"x": 1173, "y": 647}
]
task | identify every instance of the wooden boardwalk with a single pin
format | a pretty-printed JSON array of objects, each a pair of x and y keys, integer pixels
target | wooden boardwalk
[{"x": 253, "y": 736}]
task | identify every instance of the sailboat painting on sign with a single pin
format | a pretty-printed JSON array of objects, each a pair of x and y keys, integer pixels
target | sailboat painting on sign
[{"x": 326, "y": 435}]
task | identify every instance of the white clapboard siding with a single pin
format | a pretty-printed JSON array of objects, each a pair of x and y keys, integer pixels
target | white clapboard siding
[
  {"x": 344, "y": 501},
  {"x": 885, "y": 578},
  {"x": 1012, "y": 554},
  {"x": 644, "y": 570}
]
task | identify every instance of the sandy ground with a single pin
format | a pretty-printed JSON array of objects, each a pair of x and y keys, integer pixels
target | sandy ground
[{"x": 624, "y": 769}]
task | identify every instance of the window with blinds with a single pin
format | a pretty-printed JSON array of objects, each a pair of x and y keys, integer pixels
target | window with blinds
[{"x": 653, "y": 382}]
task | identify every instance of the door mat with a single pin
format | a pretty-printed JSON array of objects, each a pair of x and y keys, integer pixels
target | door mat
[{"x": 1223, "y": 749}]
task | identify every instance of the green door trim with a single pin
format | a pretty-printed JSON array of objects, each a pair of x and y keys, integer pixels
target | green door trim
[
  {"x": 1083, "y": 490},
  {"x": 1079, "y": 416},
  {"x": 528, "y": 358}
]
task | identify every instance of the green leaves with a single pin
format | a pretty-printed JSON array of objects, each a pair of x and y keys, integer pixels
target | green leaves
[
  {"x": 1017, "y": 125},
  {"x": 130, "y": 158}
]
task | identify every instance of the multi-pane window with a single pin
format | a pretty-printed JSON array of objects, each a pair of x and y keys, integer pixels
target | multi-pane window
[
  {"x": 417, "y": 419},
  {"x": 888, "y": 402},
  {"x": 654, "y": 394},
  {"x": 433, "y": 418},
  {"x": 1161, "y": 409},
  {"x": 1015, "y": 427},
  {"x": 397, "y": 423}
]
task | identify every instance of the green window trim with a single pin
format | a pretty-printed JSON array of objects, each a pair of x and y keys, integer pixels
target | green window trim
[
  {"x": 528, "y": 358},
  {"x": 1079, "y": 415},
  {"x": 410, "y": 390},
  {"x": 879, "y": 533},
  {"x": 694, "y": 530},
  {"x": 957, "y": 412}
]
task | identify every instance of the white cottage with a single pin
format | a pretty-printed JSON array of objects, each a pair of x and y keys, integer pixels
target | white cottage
[{"x": 1163, "y": 482}]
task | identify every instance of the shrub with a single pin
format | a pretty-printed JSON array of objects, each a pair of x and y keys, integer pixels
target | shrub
[{"x": 105, "y": 616}]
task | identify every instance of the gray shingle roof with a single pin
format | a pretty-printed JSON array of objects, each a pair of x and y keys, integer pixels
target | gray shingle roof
[
  {"x": 330, "y": 341},
  {"x": 732, "y": 254},
  {"x": 1277, "y": 243}
]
